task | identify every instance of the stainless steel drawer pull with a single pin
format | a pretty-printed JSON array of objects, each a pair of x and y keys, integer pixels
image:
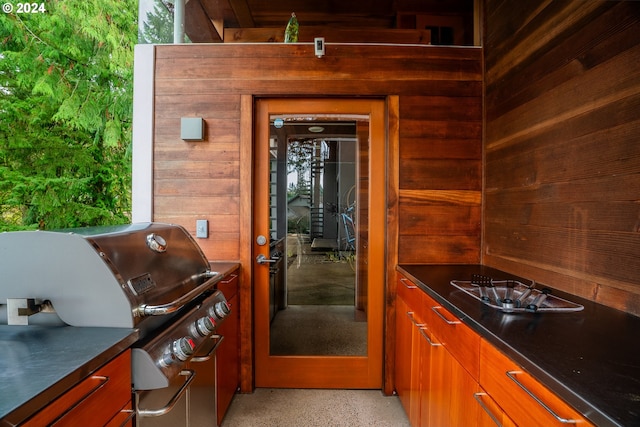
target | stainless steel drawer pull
[
  {"x": 512, "y": 377},
  {"x": 407, "y": 283},
  {"x": 190, "y": 374},
  {"x": 478, "y": 398},
  {"x": 426, "y": 337},
  {"x": 440, "y": 315},
  {"x": 413, "y": 319}
]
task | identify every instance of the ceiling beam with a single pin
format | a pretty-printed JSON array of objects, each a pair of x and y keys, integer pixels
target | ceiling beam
[
  {"x": 198, "y": 26},
  {"x": 243, "y": 13}
]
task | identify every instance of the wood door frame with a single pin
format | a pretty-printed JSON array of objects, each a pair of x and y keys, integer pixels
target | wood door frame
[{"x": 322, "y": 371}]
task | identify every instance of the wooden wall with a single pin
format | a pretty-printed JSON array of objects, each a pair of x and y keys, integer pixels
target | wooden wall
[
  {"x": 562, "y": 146},
  {"x": 440, "y": 179},
  {"x": 434, "y": 107},
  {"x": 440, "y": 129}
]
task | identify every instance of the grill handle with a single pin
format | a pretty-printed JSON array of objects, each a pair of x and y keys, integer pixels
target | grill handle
[
  {"x": 209, "y": 355},
  {"x": 190, "y": 374},
  {"x": 173, "y": 306}
]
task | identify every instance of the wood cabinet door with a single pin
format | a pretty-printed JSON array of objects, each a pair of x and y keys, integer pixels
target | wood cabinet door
[
  {"x": 404, "y": 328},
  {"x": 430, "y": 362},
  {"x": 410, "y": 353},
  {"x": 492, "y": 414},
  {"x": 415, "y": 388},
  {"x": 451, "y": 393},
  {"x": 463, "y": 410},
  {"x": 408, "y": 360}
]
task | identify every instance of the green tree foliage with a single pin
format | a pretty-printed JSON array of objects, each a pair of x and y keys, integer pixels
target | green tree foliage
[
  {"x": 299, "y": 154},
  {"x": 157, "y": 24},
  {"x": 66, "y": 79}
]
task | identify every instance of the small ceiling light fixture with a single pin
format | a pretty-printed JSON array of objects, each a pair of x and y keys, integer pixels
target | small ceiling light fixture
[{"x": 316, "y": 129}]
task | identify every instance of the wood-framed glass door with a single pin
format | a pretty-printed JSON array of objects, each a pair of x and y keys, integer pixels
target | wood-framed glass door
[{"x": 360, "y": 206}]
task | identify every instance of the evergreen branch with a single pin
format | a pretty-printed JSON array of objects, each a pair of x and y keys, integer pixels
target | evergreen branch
[{"x": 35, "y": 36}]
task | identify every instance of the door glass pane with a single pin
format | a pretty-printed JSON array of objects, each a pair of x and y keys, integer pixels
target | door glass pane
[{"x": 318, "y": 295}]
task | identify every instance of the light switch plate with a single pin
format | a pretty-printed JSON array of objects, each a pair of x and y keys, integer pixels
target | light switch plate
[
  {"x": 319, "y": 46},
  {"x": 202, "y": 228}
]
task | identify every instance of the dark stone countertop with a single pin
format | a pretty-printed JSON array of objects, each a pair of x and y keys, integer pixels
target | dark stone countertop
[
  {"x": 590, "y": 358},
  {"x": 40, "y": 363}
]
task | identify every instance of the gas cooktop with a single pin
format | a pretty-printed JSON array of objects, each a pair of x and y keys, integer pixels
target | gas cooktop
[{"x": 513, "y": 296}]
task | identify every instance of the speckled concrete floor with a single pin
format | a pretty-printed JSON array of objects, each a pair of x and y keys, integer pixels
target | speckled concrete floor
[
  {"x": 309, "y": 408},
  {"x": 338, "y": 333}
]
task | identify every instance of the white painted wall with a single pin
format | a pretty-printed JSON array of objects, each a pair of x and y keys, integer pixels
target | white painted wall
[{"x": 143, "y": 109}]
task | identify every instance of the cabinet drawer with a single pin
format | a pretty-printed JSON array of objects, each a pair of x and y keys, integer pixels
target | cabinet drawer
[
  {"x": 229, "y": 285},
  {"x": 414, "y": 300},
  {"x": 92, "y": 402},
  {"x": 409, "y": 292},
  {"x": 461, "y": 341},
  {"x": 524, "y": 399}
]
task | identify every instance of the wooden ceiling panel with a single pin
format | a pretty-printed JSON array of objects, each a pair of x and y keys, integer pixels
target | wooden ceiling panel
[
  {"x": 315, "y": 19},
  {"x": 328, "y": 7},
  {"x": 276, "y": 13},
  {"x": 264, "y": 20}
]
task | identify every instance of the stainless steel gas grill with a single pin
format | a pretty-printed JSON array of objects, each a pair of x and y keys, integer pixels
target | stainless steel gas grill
[{"x": 151, "y": 276}]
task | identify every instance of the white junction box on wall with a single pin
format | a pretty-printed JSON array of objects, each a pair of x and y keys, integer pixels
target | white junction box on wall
[{"x": 191, "y": 128}]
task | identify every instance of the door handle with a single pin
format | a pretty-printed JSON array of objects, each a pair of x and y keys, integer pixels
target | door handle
[{"x": 261, "y": 259}]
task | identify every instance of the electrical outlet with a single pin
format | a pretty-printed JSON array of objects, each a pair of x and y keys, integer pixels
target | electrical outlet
[{"x": 202, "y": 228}]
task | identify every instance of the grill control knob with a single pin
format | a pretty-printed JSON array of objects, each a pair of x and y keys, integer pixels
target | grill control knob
[
  {"x": 206, "y": 325},
  {"x": 221, "y": 309},
  {"x": 183, "y": 348},
  {"x": 167, "y": 359},
  {"x": 156, "y": 243}
]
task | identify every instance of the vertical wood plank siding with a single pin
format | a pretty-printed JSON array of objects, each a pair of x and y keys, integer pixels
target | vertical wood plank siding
[
  {"x": 562, "y": 148},
  {"x": 439, "y": 90}
]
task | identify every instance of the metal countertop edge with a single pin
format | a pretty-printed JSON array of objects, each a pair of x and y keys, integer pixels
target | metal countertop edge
[{"x": 588, "y": 410}]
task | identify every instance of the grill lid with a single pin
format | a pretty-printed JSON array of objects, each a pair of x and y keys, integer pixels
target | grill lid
[{"x": 105, "y": 276}]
